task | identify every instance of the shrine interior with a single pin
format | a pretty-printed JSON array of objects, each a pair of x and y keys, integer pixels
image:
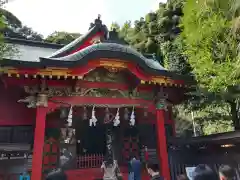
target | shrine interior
[{"x": 127, "y": 140}]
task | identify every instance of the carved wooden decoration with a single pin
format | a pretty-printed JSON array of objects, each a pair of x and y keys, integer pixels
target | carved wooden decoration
[
  {"x": 39, "y": 94},
  {"x": 104, "y": 75}
]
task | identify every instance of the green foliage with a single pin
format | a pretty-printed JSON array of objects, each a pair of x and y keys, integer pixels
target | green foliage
[
  {"x": 156, "y": 33},
  {"x": 5, "y": 49},
  {"x": 210, "y": 33},
  {"x": 115, "y": 26},
  {"x": 61, "y": 37},
  {"x": 174, "y": 58},
  {"x": 210, "y": 46}
]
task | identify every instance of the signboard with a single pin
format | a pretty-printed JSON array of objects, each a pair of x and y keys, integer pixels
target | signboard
[{"x": 189, "y": 171}]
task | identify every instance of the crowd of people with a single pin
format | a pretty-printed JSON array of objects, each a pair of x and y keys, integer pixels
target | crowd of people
[
  {"x": 111, "y": 171},
  {"x": 204, "y": 172}
]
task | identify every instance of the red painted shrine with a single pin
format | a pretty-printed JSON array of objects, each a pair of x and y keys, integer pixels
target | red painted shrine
[{"x": 68, "y": 97}]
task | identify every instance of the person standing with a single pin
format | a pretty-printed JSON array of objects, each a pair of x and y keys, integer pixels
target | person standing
[
  {"x": 204, "y": 172},
  {"x": 109, "y": 169},
  {"x": 153, "y": 171},
  {"x": 226, "y": 172},
  {"x": 130, "y": 171},
  {"x": 136, "y": 168},
  {"x": 24, "y": 176}
]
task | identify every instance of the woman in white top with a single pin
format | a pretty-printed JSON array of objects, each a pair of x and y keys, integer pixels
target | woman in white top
[{"x": 110, "y": 170}]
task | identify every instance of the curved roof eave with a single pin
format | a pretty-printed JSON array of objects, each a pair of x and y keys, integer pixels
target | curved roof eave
[
  {"x": 104, "y": 50},
  {"x": 111, "y": 51},
  {"x": 76, "y": 43}
]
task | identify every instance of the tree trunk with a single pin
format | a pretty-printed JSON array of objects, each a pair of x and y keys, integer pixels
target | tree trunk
[{"x": 234, "y": 115}]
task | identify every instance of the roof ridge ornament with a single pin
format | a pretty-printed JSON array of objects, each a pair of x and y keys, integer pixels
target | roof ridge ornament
[
  {"x": 99, "y": 17},
  {"x": 98, "y": 21}
]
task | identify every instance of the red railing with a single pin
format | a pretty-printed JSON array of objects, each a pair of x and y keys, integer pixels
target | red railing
[{"x": 90, "y": 161}]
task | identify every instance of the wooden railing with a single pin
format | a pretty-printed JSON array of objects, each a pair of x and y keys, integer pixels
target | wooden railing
[{"x": 90, "y": 161}]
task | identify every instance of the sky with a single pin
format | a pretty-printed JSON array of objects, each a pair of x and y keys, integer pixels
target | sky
[{"x": 47, "y": 16}]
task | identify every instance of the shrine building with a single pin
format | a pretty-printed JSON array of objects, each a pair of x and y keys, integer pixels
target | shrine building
[{"x": 94, "y": 92}]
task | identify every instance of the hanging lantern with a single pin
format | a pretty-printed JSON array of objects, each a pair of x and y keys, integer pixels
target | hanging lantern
[
  {"x": 126, "y": 114},
  {"x": 116, "y": 120},
  {"x": 93, "y": 120},
  {"x": 69, "y": 119},
  {"x": 84, "y": 113},
  {"x": 132, "y": 118}
]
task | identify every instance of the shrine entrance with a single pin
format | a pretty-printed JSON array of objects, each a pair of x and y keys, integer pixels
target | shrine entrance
[
  {"x": 118, "y": 127},
  {"x": 88, "y": 132}
]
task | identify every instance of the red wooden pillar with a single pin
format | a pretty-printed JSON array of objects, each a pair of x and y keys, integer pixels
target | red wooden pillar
[
  {"x": 38, "y": 143},
  {"x": 162, "y": 144}
]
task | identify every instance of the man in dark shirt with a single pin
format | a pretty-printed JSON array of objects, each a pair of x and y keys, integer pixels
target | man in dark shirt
[
  {"x": 204, "y": 172},
  {"x": 153, "y": 171},
  {"x": 226, "y": 172}
]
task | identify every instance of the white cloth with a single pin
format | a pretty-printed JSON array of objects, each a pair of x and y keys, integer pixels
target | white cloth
[{"x": 109, "y": 172}]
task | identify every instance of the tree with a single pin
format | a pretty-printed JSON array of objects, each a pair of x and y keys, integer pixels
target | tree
[
  {"x": 156, "y": 34},
  {"x": 61, "y": 37},
  {"x": 5, "y": 49},
  {"x": 212, "y": 51},
  {"x": 172, "y": 46},
  {"x": 115, "y": 26}
]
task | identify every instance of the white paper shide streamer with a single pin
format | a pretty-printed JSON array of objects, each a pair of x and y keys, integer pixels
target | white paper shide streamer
[
  {"x": 69, "y": 119},
  {"x": 116, "y": 120},
  {"x": 132, "y": 118},
  {"x": 93, "y": 120}
]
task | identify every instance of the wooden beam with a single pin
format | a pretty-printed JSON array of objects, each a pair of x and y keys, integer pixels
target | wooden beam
[
  {"x": 39, "y": 143},
  {"x": 162, "y": 144},
  {"x": 11, "y": 81},
  {"x": 78, "y": 100}
]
